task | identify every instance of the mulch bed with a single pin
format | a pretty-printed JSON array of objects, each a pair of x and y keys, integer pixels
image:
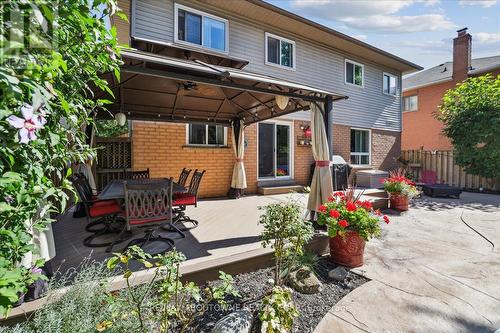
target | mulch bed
[{"x": 312, "y": 307}]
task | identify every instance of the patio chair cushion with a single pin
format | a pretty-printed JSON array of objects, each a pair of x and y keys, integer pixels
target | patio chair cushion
[
  {"x": 97, "y": 203},
  {"x": 151, "y": 220},
  {"x": 103, "y": 209},
  {"x": 183, "y": 199}
]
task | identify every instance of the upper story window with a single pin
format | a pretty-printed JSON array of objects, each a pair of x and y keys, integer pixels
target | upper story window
[
  {"x": 196, "y": 27},
  {"x": 280, "y": 51},
  {"x": 209, "y": 135},
  {"x": 360, "y": 147},
  {"x": 354, "y": 73},
  {"x": 390, "y": 84},
  {"x": 410, "y": 103}
]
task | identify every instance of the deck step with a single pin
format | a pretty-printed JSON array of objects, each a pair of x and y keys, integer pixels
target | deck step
[
  {"x": 378, "y": 198},
  {"x": 268, "y": 190}
]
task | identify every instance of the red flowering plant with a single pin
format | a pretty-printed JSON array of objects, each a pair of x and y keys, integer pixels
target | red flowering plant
[
  {"x": 398, "y": 184},
  {"x": 345, "y": 211}
]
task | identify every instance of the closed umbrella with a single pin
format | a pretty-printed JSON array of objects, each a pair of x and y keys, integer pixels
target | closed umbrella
[
  {"x": 239, "y": 179},
  {"x": 321, "y": 185}
]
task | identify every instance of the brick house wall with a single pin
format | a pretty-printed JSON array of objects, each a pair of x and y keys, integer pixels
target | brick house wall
[
  {"x": 162, "y": 148},
  {"x": 385, "y": 146}
]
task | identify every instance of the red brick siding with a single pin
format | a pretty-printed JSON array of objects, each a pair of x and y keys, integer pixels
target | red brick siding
[{"x": 303, "y": 157}]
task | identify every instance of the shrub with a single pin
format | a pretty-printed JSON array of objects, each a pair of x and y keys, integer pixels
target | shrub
[
  {"x": 278, "y": 311},
  {"x": 46, "y": 100},
  {"x": 344, "y": 212},
  {"x": 287, "y": 232}
]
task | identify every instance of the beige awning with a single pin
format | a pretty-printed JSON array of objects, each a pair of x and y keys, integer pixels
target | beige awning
[{"x": 161, "y": 88}]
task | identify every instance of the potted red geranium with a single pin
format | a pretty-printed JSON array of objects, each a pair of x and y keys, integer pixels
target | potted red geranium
[
  {"x": 400, "y": 189},
  {"x": 350, "y": 222}
]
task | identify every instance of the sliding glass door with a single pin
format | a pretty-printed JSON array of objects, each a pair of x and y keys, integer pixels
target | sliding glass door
[{"x": 274, "y": 158}]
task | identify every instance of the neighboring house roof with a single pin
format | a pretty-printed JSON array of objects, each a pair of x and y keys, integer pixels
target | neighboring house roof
[
  {"x": 444, "y": 72},
  {"x": 266, "y": 13}
]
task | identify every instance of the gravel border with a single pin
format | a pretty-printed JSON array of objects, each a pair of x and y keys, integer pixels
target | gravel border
[{"x": 312, "y": 308}]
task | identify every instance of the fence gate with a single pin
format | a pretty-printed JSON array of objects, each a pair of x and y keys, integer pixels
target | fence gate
[{"x": 114, "y": 158}]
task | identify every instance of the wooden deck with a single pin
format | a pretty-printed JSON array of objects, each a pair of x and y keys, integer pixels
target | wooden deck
[{"x": 227, "y": 227}]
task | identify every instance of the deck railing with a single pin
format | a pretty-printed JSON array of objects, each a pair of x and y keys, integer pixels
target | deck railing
[
  {"x": 114, "y": 158},
  {"x": 447, "y": 172}
]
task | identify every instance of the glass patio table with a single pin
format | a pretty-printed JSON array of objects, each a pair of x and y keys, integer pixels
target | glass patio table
[{"x": 115, "y": 188}]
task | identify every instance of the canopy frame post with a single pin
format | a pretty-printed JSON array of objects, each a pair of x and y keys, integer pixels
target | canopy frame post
[{"x": 328, "y": 115}]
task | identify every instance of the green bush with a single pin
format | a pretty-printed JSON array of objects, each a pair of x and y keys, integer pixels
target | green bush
[
  {"x": 46, "y": 100},
  {"x": 471, "y": 119}
]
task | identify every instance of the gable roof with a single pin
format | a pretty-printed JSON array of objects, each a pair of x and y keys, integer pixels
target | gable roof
[
  {"x": 444, "y": 72},
  {"x": 261, "y": 11}
]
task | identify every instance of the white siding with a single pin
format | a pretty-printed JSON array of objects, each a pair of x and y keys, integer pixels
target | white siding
[{"x": 316, "y": 65}]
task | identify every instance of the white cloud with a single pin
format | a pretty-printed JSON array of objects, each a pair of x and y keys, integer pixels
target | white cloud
[
  {"x": 487, "y": 38},
  {"x": 400, "y": 24},
  {"x": 443, "y": 46},
  {"x": 374, "y": 15},
  {"x": 482, "y": 3}
]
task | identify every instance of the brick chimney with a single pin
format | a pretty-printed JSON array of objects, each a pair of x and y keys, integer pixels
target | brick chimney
[{"x": 462, "y": 47}]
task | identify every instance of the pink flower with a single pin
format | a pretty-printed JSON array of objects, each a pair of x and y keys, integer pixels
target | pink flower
[
  {"x": 386, "y": 219},
  {"x": 343, "y": 223},
  {"x": 334, "y": 213},
  {"x": 27, "y": 126},
  {"x": 351, "y": 207}
]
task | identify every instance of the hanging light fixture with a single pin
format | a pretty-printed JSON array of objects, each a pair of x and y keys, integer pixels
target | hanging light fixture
[
  {"x": 281, "y": 101},
  {"x": 120, "y": 118}
]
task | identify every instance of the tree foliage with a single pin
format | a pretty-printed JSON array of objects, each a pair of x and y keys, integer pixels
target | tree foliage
[
  {"x": 471, "y": 117},
  {"x": 109, "y": 128},
  {"x": 46, "y": 75}
]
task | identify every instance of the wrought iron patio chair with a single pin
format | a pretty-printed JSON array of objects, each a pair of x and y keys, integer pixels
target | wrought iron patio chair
[
  {"x": 147, "y": 206},
  {"x": 105, "y": 213},
  {"x": 189, "y": 198},
  {"x": 143, "y": 174},
  {"x": 183, "y": 177}
]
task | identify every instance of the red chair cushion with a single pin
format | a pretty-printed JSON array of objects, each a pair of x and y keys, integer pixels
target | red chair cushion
[
  {"x": 184, "y": 199},
  {"x": 151, "y": 220},
  {"x": 103, "y": 202},
  {"x": 103, "y": 209}
]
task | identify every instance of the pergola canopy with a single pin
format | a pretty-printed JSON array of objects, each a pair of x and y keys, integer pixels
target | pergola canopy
[{"x": 160, "y": 88}]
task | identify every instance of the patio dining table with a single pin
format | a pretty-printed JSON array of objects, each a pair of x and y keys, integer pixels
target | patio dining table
[{"x": 115, "y": 188}]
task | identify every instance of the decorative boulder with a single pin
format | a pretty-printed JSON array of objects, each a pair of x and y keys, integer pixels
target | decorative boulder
[
  {"x": 338, "y": 273},
  {"x": 236, "y": 322},
  {"x": 304, "y": 281}
]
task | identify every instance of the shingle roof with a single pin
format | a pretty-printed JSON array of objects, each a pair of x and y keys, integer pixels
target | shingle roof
[{"x": 444, "y": 72}]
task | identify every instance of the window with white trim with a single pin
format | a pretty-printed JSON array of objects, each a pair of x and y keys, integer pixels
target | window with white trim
[
  {"x": 354, "y": 73},
  {"x": 206, "y": 135},
  {"x": 196, "y": 27},
  {"x": 280, "y": 51},
  {"x": 360, "y": 147},
  {"x": 390, "y": 84},
  {"x": 410, "y": 103}
]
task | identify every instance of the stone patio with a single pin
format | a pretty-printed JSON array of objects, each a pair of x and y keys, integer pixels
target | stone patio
[{"x": 430, "y": 272}]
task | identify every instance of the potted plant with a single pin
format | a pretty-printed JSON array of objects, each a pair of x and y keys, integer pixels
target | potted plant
[
  {"x": 400, "y": 189},
  {"x": 350, "y": 222}
]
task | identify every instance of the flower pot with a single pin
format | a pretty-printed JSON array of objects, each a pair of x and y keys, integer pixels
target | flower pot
[
  {"x": 399, "y": 202},
  {"x": 348, "y": 250}
]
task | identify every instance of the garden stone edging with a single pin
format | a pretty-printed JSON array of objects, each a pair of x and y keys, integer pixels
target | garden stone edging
[{"x": 236, "y": 322}]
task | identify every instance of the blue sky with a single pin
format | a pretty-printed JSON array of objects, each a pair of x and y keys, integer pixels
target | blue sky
[{"x": 418, "y": 30}]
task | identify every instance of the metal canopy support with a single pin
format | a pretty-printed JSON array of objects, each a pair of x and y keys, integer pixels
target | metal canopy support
[
  {"x": 216, "y": 82},
  {"x": 328, "y": 115}
]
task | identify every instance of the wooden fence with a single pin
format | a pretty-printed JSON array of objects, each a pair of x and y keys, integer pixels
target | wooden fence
[
  {"x": 114, "y": 157},
  {"x": 447, "y": 172}
]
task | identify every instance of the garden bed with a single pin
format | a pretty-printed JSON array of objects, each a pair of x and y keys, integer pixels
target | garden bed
[{"x": 312, "y": 307}]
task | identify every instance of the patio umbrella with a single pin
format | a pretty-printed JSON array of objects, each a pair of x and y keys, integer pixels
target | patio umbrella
[
  {"x": 321, "y": 185},
  {"x": 239, "y": 179}
]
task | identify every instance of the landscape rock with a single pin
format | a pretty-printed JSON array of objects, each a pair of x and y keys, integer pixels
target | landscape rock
[
  {"x": 338, "y": 273},
  {"x": 236, "y": 322},
  {"x": 304, "y": 281}
]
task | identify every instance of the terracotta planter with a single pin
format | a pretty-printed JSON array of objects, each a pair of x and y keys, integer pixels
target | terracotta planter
[
  {"x": 348, "y": 250},
  {"x": 399, "y": 202}
]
